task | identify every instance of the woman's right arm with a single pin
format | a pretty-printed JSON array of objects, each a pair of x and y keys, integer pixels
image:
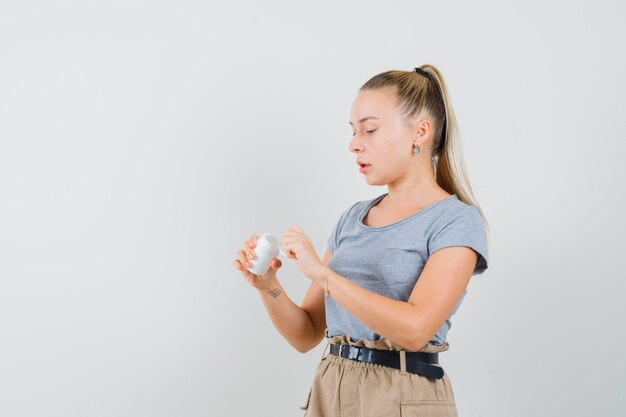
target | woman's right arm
[{"x": 302, "y": 326}]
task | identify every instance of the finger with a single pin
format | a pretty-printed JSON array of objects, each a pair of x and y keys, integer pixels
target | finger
[
  {"x": 243, "y": 258},
  {"x": 290, "y": 245},
  {"x": 237, "y": 263},
  {"x": 248, "y": 251},
  {"x": 250, "y": 254},
  {"x": 241, "y": 268},
  {"x": 285, "y": 244},
  {"x": 250, "y": 243},
  {"x": 249, "y": 276}
]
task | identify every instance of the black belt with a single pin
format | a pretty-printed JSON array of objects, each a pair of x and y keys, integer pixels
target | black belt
[{"x": 416, "y": 362}]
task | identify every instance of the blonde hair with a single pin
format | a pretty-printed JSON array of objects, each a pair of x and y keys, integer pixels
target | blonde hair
[{"x": 417, "y": 93}]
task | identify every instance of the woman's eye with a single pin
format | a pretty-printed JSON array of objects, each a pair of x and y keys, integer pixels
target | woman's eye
[{"x": 367, "y": 131}]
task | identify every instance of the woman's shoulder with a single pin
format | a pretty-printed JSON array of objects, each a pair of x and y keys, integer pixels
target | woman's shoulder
[
  {"x": 456, "y": 215},
  {"x": 459, "y": 208}
]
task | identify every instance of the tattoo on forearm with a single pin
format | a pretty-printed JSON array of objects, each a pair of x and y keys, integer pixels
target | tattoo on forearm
[{"x": 274, "y": 293}]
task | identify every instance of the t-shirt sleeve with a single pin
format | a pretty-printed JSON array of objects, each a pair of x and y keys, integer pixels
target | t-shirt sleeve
[
  {"x": 463, "y": 228},
  {"x": 333, "y": 239}
]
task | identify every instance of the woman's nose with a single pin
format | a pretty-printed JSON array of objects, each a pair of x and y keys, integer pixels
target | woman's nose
[{"x": 355, "y": 144}]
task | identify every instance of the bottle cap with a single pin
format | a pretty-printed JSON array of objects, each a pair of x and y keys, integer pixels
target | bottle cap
[{"x": 270, "y": 244}]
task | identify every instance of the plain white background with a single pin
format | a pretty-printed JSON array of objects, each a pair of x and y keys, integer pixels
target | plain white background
[{"x": 142, "y": 142}]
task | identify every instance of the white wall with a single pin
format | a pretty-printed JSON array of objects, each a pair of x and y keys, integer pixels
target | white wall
[{"x": 134, "y": 140}]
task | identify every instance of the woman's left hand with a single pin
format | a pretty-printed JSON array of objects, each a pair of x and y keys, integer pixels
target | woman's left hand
[{"x": 298, "y": 246}]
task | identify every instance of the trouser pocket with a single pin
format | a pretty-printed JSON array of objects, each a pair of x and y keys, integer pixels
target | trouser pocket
[{"x": 427, "y": 408}]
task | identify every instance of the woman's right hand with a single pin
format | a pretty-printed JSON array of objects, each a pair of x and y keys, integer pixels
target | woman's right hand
[{"x": 243, "y": 262}]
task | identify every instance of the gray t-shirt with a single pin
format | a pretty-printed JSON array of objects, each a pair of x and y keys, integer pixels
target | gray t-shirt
[{"x": 389, "y": 259}]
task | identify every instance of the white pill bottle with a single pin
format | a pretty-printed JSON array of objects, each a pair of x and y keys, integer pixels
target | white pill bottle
[{"x": 267, "y": 248}]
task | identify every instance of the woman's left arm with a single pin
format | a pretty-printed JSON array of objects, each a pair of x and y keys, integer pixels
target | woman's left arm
[{"x": 409, "y": 323}]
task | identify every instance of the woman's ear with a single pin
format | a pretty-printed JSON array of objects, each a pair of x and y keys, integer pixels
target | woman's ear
[{"x": 421, "y": 131}]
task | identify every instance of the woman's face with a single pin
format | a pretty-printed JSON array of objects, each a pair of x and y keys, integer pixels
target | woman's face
[{"x": 380, "y": 136}]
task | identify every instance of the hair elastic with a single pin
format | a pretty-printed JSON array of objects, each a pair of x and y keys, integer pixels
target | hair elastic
[{"x": 421, "y": 71}]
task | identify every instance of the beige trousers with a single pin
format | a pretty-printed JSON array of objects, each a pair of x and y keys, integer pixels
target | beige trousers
[{"x": 347, "y": 388}]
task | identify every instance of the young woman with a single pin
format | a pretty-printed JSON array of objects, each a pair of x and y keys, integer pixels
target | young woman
[{"x": 396, "y": 267}]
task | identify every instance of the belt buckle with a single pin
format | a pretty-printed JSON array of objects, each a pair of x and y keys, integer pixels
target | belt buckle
[
  {"x": 341, "y": 349},
  {"x": 353, "y": 352}
]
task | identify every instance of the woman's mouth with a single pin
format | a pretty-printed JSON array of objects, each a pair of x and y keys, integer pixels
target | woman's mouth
[{"x": 363, "y": 168}]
